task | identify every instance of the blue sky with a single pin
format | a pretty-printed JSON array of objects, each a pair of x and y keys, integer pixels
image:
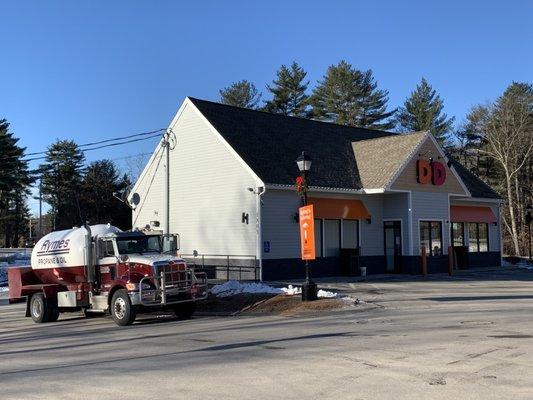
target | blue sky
[{"x": 94, "y": 70}]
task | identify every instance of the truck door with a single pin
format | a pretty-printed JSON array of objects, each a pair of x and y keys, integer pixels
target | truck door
[{"x": 107, "y": 261}]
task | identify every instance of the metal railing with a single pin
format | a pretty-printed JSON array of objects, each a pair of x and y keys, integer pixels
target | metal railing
[
  {"x": 225, "y": 267},
  {"x": 11, "y": 255}
]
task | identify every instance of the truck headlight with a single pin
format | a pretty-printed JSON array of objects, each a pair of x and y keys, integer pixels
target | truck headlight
[{"x": 135, "y": 286}]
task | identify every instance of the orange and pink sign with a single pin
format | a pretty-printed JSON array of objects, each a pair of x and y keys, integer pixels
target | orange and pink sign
[
  {"x": 307, "y": 232},
  {"x": 430, "y": 171}
]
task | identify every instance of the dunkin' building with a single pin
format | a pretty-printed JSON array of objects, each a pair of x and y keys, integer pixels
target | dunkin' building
[{"x": 378, "y": 196}]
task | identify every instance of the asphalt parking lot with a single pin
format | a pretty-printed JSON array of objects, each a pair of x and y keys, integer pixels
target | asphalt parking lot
[{"x": 469, "y": 337}]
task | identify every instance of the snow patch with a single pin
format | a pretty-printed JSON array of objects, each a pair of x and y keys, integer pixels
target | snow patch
[
  {"x": 231, "y": 288},
  {"x": 4, "y": 289}
]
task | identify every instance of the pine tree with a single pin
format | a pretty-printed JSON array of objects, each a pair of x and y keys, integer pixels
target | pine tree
[
  {"x": 62, "y": 176},
  {"x": 423, "y": 111},
  {"x": 289, "y": 92},
  {"x": 350, "y": 97},
  {"x": 240, "y": 94},
  {"x": 14, "y": 182},
  {"x": 98, "y": 205}
]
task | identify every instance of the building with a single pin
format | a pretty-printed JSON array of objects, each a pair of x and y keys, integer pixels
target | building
[{"x": 232, "y": 192}]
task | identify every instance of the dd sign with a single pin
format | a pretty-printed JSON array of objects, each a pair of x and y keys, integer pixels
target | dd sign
[
  {"x": 430, "y": 171},
  {"x": 307, "y": 232}
]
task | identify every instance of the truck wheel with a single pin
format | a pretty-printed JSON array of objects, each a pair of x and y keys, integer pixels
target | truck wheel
[
  {"x": 185, "y": 310},
  {"x": 39, "y": 309},
  {"x": 122, "y": 311}
]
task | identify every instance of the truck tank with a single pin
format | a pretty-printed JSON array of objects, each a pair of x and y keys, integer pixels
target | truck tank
[{"x": 61, "y": 256}]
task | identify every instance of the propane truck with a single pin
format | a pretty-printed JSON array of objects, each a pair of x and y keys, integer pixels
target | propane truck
[{"x": 100, "y": 269}]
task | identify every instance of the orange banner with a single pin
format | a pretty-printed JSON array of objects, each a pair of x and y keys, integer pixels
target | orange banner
[{"x": 307, "y": 232}]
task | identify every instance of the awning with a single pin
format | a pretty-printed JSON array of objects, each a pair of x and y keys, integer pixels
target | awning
[
  {"x": 338, "y": 208},
  {"x": 472, "y": 214}
]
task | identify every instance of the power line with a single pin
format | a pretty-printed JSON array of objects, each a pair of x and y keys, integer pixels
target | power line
[
  {"x": 131, "y": 156},
  {"x": 101, "y": 147},
  {"x": 105, "y": 141}
]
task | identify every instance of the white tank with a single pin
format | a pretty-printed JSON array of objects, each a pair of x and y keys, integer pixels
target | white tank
[{"x": 68, "y": 248}]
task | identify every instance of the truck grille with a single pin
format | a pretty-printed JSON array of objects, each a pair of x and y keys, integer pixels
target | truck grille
[{"x": 175, "y": 275}]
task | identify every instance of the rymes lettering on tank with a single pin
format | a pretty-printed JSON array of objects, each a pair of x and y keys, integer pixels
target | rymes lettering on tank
[{"x": 55, "y": 246}]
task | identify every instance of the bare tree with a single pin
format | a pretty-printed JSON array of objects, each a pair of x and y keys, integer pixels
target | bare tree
[{"x": 508, "y": 134}]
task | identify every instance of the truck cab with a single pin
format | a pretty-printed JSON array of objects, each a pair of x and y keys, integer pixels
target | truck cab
[{"x": 137, "y": 271}]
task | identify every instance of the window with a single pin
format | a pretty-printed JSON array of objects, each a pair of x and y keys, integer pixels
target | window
[
  {"x": 106, "y": 248},
  {"x": 138, "y": 244},
  {"x": 478, "y": 237},
  {"x": 458, "y": 234},
  {"x": 350, "y": 234},
  {"x": 318, "y": 237},
  {"x": 431, "y": 237},
  {"x": 332, "y": 237}
]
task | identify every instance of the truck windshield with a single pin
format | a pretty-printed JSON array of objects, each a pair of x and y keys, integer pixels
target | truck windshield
[{"x": 141, "y": 244}]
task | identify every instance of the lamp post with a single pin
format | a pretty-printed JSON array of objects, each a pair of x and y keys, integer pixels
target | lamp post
[
  {"x": 309, "y": 288},
  {"x": 529, "y": 218}
]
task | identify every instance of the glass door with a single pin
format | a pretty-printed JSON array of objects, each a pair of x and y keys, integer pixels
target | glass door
[{"x": 393, "y": 246}]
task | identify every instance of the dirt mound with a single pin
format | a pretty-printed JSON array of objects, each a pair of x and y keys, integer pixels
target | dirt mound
[{"x": 292, "y": 305}]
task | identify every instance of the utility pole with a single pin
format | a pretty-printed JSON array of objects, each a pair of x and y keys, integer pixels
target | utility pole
[{"x": 166, "y": 144}]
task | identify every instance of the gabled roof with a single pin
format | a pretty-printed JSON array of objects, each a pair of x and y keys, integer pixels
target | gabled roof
[
  {"x": 378, "y": 160},
  {"x": 270, "y": 143}
]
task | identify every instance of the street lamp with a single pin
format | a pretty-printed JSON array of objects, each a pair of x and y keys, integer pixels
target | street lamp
[
  {"x": 309, "y": 289},
  {"x": 529, "y": 218}
]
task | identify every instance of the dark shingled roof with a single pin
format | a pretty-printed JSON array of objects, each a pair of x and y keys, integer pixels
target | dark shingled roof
[
  {"x": 270, "y": 143},
  {"x": 476, "y": 186}
]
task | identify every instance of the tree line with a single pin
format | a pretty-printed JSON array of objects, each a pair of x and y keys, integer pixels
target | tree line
[
  {"x": 495, "y": 141},
  {"x": 75, "y": 192}
]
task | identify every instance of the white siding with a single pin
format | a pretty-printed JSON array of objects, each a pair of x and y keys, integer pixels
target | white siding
[
  {"x": 280, "y": 229},
  {"x": 430, "y": 207},
  {"x": 372, "y": 234},
  {"x": 278, "y": 224},
  {"x": 209, "y": 192}
]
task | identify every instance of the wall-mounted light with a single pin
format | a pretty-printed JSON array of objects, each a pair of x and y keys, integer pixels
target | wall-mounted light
[
  {"x": 296, "y": 217},
  {"x": 244, "y": 218},
  {"x": 154, "y": 223},
  {"x": 369, "y": 220}
]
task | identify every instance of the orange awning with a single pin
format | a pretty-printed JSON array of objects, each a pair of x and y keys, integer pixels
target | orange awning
[
  {"x": 338, "y": 208},
  {"x": 472, "y": 214}
]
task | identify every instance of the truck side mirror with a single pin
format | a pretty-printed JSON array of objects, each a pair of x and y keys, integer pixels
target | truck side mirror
[{"x": 171, "y": 243}]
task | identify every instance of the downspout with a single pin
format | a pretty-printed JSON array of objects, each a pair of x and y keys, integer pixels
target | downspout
[
  {"x": 411, "y": 251},
  {"x": 260, "y": 191}
]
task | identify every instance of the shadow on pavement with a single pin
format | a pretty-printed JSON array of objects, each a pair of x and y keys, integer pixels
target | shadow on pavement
[{"x": 478, "y": 298}]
